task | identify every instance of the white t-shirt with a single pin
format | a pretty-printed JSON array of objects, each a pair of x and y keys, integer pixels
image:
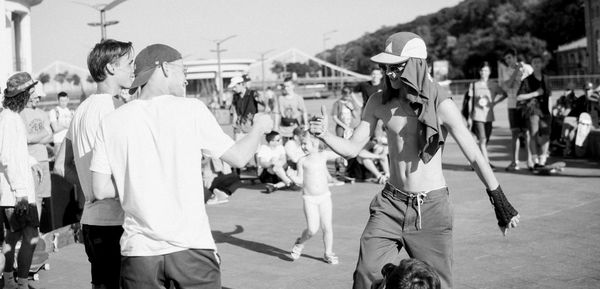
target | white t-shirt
[
  {"x": 16, "y": 179},
  {"x": 504, "y": 74},
  {"x": 293, "y": 151},
  {"x": 63, "y": 117},
  {"x": 268, "y": 154},
  {"x": 153, "y": 148},
  {"x": 82, "y": 133}
]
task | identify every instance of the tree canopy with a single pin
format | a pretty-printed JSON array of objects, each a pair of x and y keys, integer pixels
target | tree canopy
[{"x": 475, "y": 31}]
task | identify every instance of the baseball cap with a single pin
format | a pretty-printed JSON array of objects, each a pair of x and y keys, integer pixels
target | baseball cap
[
  {"x": 235, "y": 80},
  {"x": 17, "y": 83},
  {"x": 401, "y": 46},
  {"x": 149, "y": 58}
]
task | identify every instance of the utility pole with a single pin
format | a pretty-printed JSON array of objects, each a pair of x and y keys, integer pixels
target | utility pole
[
  {"x": 262, "y": 61},
  {"x": 219, "y": 79},
  {"x": 103, "y": 8}
]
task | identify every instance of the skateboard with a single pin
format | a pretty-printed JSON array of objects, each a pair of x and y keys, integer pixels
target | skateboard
[
  {"x": 39, "y": 260},
  {"x": 551, "y": 169},
  {"x": 346, "y": 179}
]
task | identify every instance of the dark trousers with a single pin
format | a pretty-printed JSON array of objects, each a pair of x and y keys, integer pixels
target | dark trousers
[
  {"x": 394, "y": 223},
  {"x": 22, "y": 228},
  {"x": 187, "y": 269},
  {"x": 104, "y": 253}
]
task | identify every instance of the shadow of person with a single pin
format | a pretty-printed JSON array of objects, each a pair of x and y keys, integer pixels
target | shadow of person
[{"x": 227, "y": 237}]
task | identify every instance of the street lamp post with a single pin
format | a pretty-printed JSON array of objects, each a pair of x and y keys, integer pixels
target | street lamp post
[
  {"x": 325, "y": 38},
  {"x": 103, "y": 8},
  {"x": 262, "y": 61},
  {"x": 219, "y": 79}
]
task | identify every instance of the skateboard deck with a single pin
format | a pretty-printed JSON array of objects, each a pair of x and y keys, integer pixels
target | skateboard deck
[
  {"x": 551, "y": 169},
  {"x": 346, "y": 179}
]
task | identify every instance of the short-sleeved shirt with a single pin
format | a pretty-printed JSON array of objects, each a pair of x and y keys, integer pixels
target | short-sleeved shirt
[
  {"x": 367, "y": 89},
  {"x": 344, "y": 109},
  {"x": 531, "y": 84},
  {"x": 293, "y": 151},
  {"x": 246, "y": 104},
  {"x": 504, "y": 74},
  {"x": 291, "y": 106},
  {"x": 63, "y": 117},
  {"x": 153, "y": 148},
  {"x": 269, "y": 154},
  {"x": 36, "y": 123},
  {"x": 82, "y": 134},
  {"x": 482, "y": 103}
]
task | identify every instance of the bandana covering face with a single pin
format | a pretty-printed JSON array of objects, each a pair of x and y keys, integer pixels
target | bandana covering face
[{"x": 424, "y": 97}]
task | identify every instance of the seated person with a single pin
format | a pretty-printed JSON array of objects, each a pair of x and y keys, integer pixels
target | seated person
[
  {"x": 272, "y": 159},
  {"x": 374, "y": 156},
  {"x": 409, "y": 274},
  {"x": 567, "y": 110},
  {"x": 293, "y": 151}
]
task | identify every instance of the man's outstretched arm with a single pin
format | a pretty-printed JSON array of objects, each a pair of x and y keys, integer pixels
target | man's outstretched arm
[
  {"x": 244, "y": 149},
  {"x": 451, "y": 118}
]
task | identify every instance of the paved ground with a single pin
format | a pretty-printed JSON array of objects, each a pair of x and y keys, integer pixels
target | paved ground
[{"x": 555, "y": 246}]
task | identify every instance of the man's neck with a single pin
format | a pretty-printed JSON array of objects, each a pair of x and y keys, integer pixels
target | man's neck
[{"x": 108, "y": 87}]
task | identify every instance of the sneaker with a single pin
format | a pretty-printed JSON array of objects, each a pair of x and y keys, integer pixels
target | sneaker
[
  {"x": 331, "y": 259},
  {"x": 269, "y": 188},
  {"x": 335, "y": 182},
  {"x": 512, "y": 167},
  {"x": 538, "y": 166},
  {"x": 296, "y": 251},
  {"x": 214, "y": 200}
]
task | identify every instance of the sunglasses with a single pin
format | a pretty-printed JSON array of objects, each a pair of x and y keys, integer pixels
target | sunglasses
[{"x": 394, "y": 68}]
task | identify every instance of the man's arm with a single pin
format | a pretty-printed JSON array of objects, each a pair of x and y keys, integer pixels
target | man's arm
[
  {"x": 451, "y": 119},
  {"x": 64, "y": 164},
  {"x": 103, "y": 186},
  {"x": 348, "y": 148},
  {"x": 243, "y": 150}
]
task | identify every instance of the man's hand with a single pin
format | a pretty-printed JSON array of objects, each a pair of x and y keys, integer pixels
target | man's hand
[
  {"x": 38, "y": 173},
  {"x": 506, "y": 215},
  {"x": 318, "y": 123},
  {"x": 263, "y": 123}
]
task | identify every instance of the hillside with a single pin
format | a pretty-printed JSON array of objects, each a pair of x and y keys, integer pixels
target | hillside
[{"x": 477, "y": 30}]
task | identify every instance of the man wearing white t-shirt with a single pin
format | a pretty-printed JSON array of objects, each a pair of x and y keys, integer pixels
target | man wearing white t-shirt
[
  {"x": 60, "y": 119},
  {"x": 111, "y": 66},
  {"x": 148, "y": 153}
]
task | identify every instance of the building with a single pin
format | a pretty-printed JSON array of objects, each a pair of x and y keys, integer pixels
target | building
[
  {"x": 592, "y": 28},
  {"x": 15, "y": 37},
  {"x": 573, "y": 58},
  {"x": 201, "y": 74}
]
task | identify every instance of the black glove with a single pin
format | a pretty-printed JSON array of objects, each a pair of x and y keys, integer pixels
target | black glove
[
  {"x": 22, "y": 207},
  {"x": 503, "y": 209}
]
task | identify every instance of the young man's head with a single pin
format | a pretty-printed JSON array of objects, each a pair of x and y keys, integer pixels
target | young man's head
[
  {"x": 273, "y": 139},
  {"x": 510, "y": 57},
  {"x": 288, "y": 86},
  {"x": 399, "y": 48},
  {"x": 410, "y": 274},
  {"x": 376, "y": 75},
  {"x": 63, "y": 99},
  {"x": 537, "y": 62},
  {"x": 160, "y": 68},
  {"x": 19, "y": 88},
  {"x": 238, "y": 84},
  {"x": 112, "y": 59},
  {"x": 309, "y": 143}
]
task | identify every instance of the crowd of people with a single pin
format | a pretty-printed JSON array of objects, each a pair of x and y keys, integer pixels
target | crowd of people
[{"x": 135, "y": 159}]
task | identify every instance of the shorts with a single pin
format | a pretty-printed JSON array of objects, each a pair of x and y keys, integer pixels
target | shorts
[
  {"x": 14, "y": 222},
  {"x": 516, "y": 120},
  {"x": 482, "y": 130},
  {"x": 317, "y": 199},
  {"x": 104, "y": 253},
  {"x": 192, "y": 268},
  {"x": 268, "y": 178}
]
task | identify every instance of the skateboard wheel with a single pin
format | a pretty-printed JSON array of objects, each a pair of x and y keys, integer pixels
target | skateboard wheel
[
  {"x": 36, "y": 277},
  {"x": 47, "y": 267}
]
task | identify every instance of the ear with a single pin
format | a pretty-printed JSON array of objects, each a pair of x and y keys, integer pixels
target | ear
[
  {"x": 165, "y": 68},
  {"x": 110, "y": 68}
]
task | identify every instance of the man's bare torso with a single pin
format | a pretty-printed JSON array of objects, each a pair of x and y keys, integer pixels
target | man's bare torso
[{"x": 407, "y": 171}]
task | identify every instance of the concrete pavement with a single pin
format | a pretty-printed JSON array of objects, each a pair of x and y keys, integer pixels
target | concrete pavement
[{"x": 555, "y": 246}]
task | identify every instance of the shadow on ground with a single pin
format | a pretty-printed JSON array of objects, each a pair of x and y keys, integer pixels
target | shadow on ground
[{"x": 229, "y": 238}]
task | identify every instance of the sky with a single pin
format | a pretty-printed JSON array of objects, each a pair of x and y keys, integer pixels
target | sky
[{"x": 60, "y": 30}]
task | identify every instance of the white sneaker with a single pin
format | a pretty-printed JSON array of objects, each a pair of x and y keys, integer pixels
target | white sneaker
[
  {"x": 296, "y": 251},
  {"x": 331, "y": 259},
  {"x": 218, "y": 197}
]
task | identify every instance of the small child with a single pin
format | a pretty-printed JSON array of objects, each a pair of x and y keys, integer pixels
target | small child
[
  {"x": 409, "y": 274},
  {"x": 313, "y": 176}
]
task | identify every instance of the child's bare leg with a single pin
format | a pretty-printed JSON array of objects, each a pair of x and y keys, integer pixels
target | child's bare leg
[
  {"x": 311, "y": 212},
  {"x": 325, "y": 211},
  {"x": 280, "y": 172}
]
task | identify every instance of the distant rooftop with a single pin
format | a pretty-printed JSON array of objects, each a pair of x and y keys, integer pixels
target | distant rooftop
[{"x": 581, "y": 43}]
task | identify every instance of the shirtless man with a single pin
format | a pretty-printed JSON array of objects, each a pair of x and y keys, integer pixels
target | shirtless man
[{"x": 413, "y": 210}]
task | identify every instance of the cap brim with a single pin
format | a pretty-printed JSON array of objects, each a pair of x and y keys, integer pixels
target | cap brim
[
  {"x": 231, "y": 85},
  {"x": 142, "y": 77},
  {"x": 387, "y": 58}
]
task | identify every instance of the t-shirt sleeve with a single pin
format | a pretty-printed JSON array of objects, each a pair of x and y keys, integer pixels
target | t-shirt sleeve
[
  {"x": 100, "y": 162},
  {"x": 215, "y": 141},
  {"x": 52, "y": 115}
]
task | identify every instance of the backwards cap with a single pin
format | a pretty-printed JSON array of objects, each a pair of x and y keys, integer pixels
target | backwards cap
[
  {"x": 400, "y": 47},
  {"x": 150, "y": 58}
]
